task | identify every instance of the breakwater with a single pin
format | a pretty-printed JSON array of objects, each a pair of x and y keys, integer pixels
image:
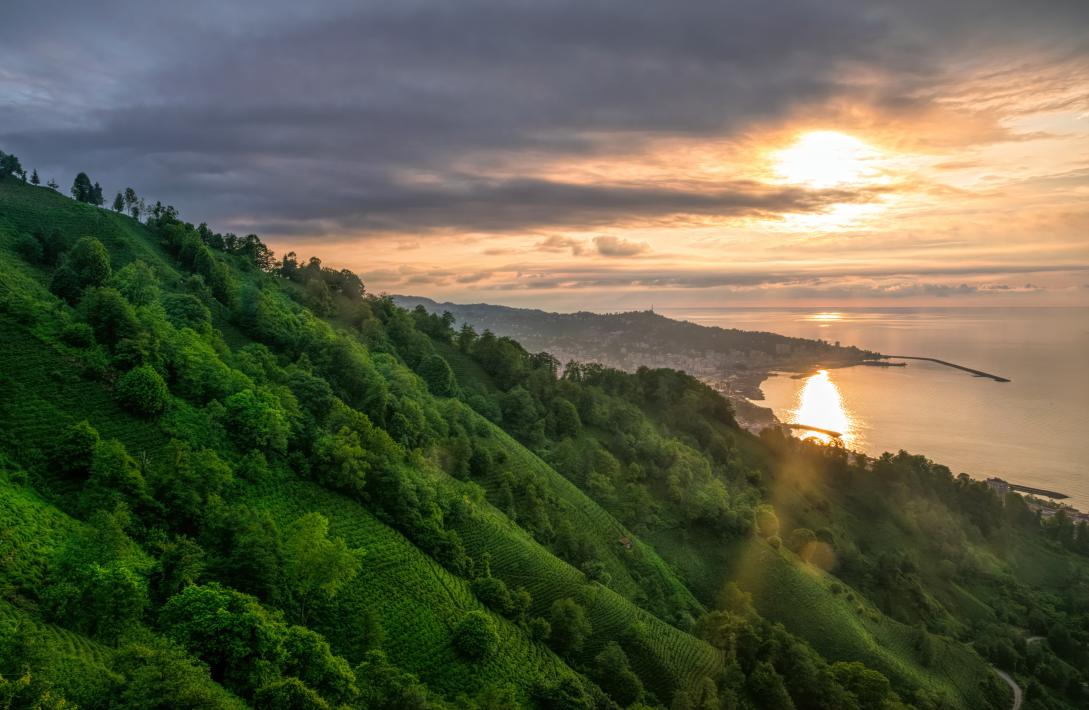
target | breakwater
[{"x": 977, "y": 373}]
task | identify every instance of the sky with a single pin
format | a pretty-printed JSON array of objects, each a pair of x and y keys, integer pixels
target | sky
[{"x": 590, "y": 154}]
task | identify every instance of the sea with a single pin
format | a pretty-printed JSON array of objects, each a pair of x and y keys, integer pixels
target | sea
[{"x": 1033, "y": 430}]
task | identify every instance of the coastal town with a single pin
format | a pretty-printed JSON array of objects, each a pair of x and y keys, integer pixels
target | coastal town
[{"x": 1044, "y": 502}]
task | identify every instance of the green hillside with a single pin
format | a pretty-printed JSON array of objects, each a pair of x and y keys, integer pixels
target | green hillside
[{"x": 229, "y": 479}]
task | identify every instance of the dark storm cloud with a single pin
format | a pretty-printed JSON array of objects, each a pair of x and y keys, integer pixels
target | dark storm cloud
[{"x": 299, "y": 119}]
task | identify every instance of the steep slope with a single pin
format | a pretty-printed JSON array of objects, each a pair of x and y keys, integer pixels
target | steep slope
[{"x": 248, "y": 480}]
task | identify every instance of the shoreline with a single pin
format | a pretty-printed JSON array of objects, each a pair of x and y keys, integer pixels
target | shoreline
[{"x": 767, "y": 417}]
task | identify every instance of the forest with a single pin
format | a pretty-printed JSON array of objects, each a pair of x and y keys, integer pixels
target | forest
[{"x": 231, "y": 478}]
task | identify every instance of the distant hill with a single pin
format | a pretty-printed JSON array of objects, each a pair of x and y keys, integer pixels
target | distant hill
[
  {"x": 731, "y": 360},
  {"x": 229, "y": 480}
]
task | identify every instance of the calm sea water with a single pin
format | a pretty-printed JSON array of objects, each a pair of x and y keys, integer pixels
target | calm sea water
[{"x": 1033, "y": 430}]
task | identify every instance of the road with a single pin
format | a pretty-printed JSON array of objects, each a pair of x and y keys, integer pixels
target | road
[{"x": 1018, "y": 696}]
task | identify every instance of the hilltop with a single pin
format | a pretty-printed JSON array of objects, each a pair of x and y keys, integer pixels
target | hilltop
[{"x": 229, "y": 479}]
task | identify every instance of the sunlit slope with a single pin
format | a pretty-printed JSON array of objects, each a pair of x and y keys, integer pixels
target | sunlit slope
[
  {"x": 417, "y": 602},
  {"x": 415, "y": 599}
]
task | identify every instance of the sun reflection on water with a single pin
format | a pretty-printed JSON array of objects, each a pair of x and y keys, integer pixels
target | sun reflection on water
[{"x": 820, "y": 405}]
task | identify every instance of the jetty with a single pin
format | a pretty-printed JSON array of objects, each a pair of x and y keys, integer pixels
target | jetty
[
  {"x": 1003, "y": 487},
  {"x": 976, "y": 373},
  {"x": 829, "y": 432}
]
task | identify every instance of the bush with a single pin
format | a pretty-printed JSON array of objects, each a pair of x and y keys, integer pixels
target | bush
[
  {"x": 476, "y": 637},
  {"x": 91, "y": 262},
  {"x": 75, "y": 450},
  {"x": 30, "y": 248},
  {"x": 288, "y": 693},
  {"x": 539, "y": 629},
  {"x": 439, "y": 377},
  {"x": 494, "y": 594},
  {"x": 767, "y": 522},
  {"x": 78, "y": 335},
  {"x": 570, "y": 627},
  {"x": 143, "y": 391}
]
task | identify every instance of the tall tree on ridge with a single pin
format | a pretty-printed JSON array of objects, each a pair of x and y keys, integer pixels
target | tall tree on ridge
[
  {"x": 82, "y": 189},
  {"x": 118, "y": 203}
]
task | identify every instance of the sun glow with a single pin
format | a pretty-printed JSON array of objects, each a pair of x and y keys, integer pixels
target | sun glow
[
  {"x": 827, "y": 159},
  {"x": 820, "y": 405}
]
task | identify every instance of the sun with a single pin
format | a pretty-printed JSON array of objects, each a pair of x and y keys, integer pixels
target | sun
[{"x": 827, "y": 159}]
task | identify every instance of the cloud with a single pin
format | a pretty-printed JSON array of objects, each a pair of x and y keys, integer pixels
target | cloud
[
  {"x": 558, "y": 243},
  {"x": 615, "y": 246},
  {"x": 412, "y": 125},
  {"x": 309, "y": 122}
]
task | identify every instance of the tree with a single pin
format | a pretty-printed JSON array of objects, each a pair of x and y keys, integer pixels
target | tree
[
  {"x": 90, "y": 261},
  {"x": 767, "y": 690},
  {"x": 82, "y": 189},
  {"x": 343, "y": 462},
  {"x": 563, "y": 418},
  {"x": 256, "y": 420},
  {"x": 34, "y": 179},
  {"x": 156, "y": 675},
  {"x": 143, "y": 391},
  {"x": 288, "y": 694},
  {"x": 52, "y": 184},
  {"x": 613, "y": 673},
  {"x": 314, "y": 563},
  {"x": 75, "y": 449},
  {"x": 130, "y": 198},
  {"x": 869, "y": 686},
  {"x": 476, "y": 636},
  {"x": 96, "y": 195},
  {"x": 9, "y": 165},
  {"x": 229, "y": 631},
  {"x": 523, "y": 416},
  {"x": 440, "y": 379},
  {"x": 109, "y": 314},
  {"x": 138, "y": 283},
  {"x": 115, "y": 478},
  {"x": 118, "y": 203},
  {"x": 318, "y": 297},
  {"x": 95, "y": 585},
  {"x": 66, "y": 284},
  {"x": 493, "y": 592},
  {"x": 570, "y": 627},
  {"x": 767, "y": 522}
]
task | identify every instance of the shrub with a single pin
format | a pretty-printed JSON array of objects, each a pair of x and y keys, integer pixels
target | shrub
[
  {"x": 90, "y": 261},
  {"x": 494, "y": 594},
  {"x": 767, "y": 522},
  {"x": 78, "y": 335},
  {"x": 75, "y": 449},
  {"x": 143, "y": 391},
  {"x": 539, "y": 629},
  {"x": 30, "y": 248},
  {"x": 476, "y": 637},
  {"x": 439, "y": 377},
  {"x": 570, "y": 627},
  {"x": 288, "y": 693}
]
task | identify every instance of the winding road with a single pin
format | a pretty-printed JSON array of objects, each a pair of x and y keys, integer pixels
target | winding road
[{"x": 1018, "y": 695}]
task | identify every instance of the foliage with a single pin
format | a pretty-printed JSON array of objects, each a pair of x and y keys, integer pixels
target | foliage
[
  {"x": 476, "y": 636},
  {"x": 200, "y": 544},
  {"x": 143, "y": 390}
]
